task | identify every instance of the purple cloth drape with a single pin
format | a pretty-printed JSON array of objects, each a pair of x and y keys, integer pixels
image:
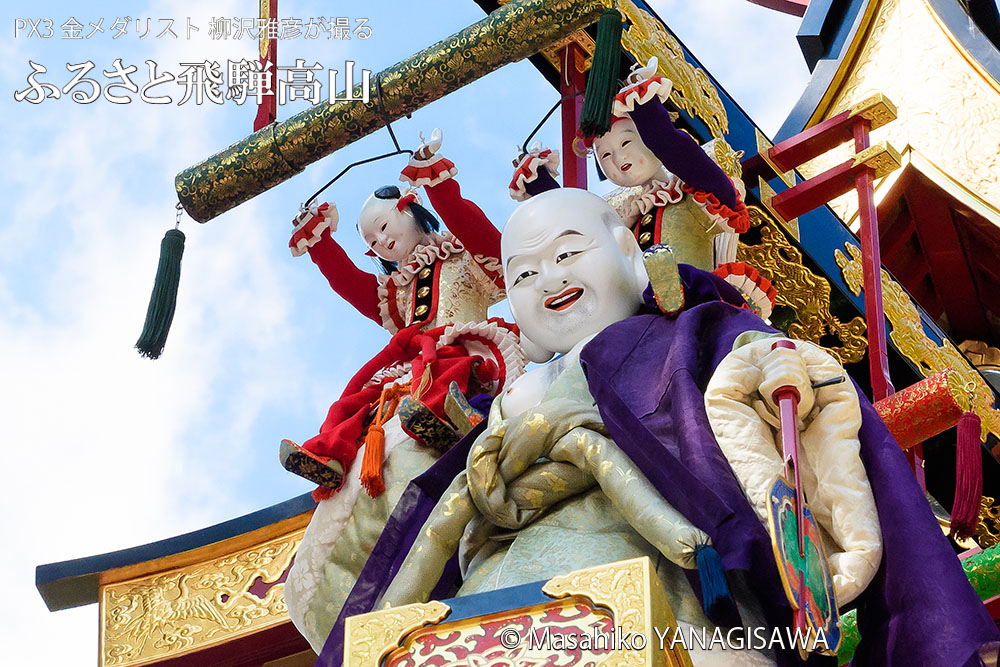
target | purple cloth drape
[{"x": 648, "y": 375}]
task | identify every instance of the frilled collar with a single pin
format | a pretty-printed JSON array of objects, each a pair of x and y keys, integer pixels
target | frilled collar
[
  {"x": 442, "y": 246},
  {"x": 656, "y": 192}
]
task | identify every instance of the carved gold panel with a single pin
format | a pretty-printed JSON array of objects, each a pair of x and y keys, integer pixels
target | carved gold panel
[
  {"x": 947, "y": 106},
  {"x": 149, "y": 618},
  {"x": 631, "y": 590},
  {"x": 623, "y": 600},
  {"x": 988, "y": 530},
  {"x": 801, "y": 290},
  {"x": 908, "y": 336},
  {"x": 369, "y": 637}
]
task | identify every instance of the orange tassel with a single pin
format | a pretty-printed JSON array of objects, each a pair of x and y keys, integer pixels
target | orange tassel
[{"x": 371, "y": 465}]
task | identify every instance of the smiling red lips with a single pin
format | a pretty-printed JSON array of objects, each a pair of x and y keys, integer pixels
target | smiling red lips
[
  {"x": 565, "y": 299},
  {"x": 626, "y": 166}
]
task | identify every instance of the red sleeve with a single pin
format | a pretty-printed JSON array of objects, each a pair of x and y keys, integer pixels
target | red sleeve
[
  {"x": 464, "y": 219},
  {"x": 357, "y": 287}
]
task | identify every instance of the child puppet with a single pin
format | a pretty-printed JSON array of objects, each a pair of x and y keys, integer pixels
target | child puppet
[
  {"x": 679, "y": 196},
  {"x": 433, "y": 298}
]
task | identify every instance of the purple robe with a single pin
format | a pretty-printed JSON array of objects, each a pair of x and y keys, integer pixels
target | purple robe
[{"x": 648, "y": 375}]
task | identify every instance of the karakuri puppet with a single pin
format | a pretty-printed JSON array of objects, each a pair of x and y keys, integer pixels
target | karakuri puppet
[
  {"x": 677, "y": 194},
  {"x": 390, "y": 423}
]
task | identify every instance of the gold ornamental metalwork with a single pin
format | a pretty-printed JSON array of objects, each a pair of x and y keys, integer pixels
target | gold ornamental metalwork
[
  {"x": 725, "y": 156},
  {"x": 878, "y": 110},
  {"x": 988, "y": 530},
  {"x": 806, "y": 293},
  {"x": 371, "y": 636},
  {"x": 882, "y": 158},
  {"x": 980, "y": 354},
  {"x": 947, "y": 105},
  {"x": 908, "y": 336},
  {"x": 632, "y": 591},
  {"x": 147, "y": 619}
]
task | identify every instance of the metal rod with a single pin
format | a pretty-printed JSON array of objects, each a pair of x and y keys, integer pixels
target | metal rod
[{"x": 511, "y": 33}]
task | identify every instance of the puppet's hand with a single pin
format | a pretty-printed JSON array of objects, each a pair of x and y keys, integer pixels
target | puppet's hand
[
  {"x": 526, "y": 169},
  {"x": 309, "y": 226},
  {"x": 426, "y": 168},
  {"x": 783, "y": 367},
  {"x": 642, "y": 85},
  {"x": 429, "y": 148}
]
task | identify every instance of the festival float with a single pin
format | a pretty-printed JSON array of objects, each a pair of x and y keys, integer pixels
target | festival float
[{"x": 750, "y": 394}]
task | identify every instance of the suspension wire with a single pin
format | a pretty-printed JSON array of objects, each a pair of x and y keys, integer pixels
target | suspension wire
[
  {"x": 524, "y": 146},
  {"x": 381, "y": 108},
  {"x": 392, "y": 135}
]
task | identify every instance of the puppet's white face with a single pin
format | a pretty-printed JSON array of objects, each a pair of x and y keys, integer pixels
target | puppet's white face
[
  {"x": 624, "y": 159},
  {"x": 388, "y": 232},
  {"x": 571, "y": 266}
]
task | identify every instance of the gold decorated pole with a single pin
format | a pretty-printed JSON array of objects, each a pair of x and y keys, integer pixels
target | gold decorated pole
[{"x": 261, "y": 161}]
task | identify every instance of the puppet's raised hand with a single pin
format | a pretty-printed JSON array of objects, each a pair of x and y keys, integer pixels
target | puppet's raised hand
[
  {"x": 534, "y": 172},
  {"x": 426, "y": 168},
  {"x": 428, "y": 148},
  {"x": 641, "y": 86},
  {"x": 309, "y": 226}
]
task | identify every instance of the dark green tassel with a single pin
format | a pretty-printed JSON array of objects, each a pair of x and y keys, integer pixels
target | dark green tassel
[
  {"x": 160, "y": 313},
  {"x": 714, "y": 588},
  {"x": 602, "y": 82}
]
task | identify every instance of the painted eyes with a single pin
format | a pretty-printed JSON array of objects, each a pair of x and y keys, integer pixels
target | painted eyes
[
  {"x": 566, "y": 255},
  {"x": 626, "y": 142},
  {"x": 372, "y": 242},
  {"x": 563, "y": 256},
  {"x": 524, "y": 275}
]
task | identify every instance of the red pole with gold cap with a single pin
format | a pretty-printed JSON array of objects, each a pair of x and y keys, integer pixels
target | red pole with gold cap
[{"x": 267, "y": 110}]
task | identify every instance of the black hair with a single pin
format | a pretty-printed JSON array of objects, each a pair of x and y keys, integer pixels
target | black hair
[
  {"x": 600, "y": 172},
  {"x": 425, "y": 220}
]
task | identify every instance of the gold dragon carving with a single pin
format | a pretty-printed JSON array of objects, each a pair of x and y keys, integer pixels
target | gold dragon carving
[
  {"x": 162, "y": 615},
  {"x": 693, "y": 90},
  {"x": 645, "y": 37},
  {"x": 908, "y": 336},
  {"x": 988, "y": 530},
  {"x": 801, "y": 290}
]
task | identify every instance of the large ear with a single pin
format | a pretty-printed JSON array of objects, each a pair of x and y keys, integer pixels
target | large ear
[
  {"x": 633, "y": 255},
  {"x": 534, "y": 352}
]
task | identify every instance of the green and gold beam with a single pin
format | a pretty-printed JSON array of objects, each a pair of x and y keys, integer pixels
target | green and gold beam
[{"x": 266, "y": 158}]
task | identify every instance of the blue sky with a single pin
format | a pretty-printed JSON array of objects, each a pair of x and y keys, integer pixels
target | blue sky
[{"x": 104, "y": 450}]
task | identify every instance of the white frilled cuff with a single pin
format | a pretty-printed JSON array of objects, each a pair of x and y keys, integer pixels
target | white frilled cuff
[
  {"x": 527, "y": 171},
  {"x": 310, "y": 227},
  {"x": 428, "y": 173},
  {"x": 755, "y": 288},
  {"x": 640, "y": 93}
]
